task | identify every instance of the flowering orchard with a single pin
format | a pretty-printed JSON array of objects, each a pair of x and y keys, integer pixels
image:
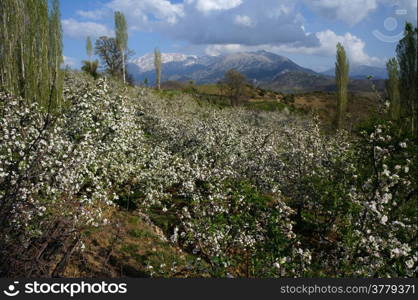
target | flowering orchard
[
  {"x": 247, "y": 193},
  {"x": 57, "y": 173}
]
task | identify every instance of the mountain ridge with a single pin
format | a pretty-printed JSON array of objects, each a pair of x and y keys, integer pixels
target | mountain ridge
[
  {"x": 260, "y": 65},
  {"x": 262, "y": 68}
]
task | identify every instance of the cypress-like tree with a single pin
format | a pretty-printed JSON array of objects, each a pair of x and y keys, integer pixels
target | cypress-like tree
[
  {"x": 392, "y": 88},
  {"x": 12, "y": 68},
  {"x": 341, "y": 76},
  {"x": 55, "y": 54},
  {"x": 121, "y": 30},
  {"x": 89, "y": 48},
  {"x": 407, "y": 57},
  {"x": 89, "y": 66},
  {"x": 157, "y": 64},
  {"x": 31, "y": 50}
]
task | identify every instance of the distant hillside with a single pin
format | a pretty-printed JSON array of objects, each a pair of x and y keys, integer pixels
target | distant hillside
[
  {"x": 297, "y": 81},
  {"x": 301, "y": 82}
]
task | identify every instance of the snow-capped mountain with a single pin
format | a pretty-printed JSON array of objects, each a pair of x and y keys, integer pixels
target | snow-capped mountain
[
  {"x": 146, "y": 63},
  {"x": 264, "y": 68},
  {"x": 260, "y": 66}
]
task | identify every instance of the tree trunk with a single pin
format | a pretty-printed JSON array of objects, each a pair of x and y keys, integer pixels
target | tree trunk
[
  {"x": 60, "y": 268},
  {"x": 123, "y": 66}
]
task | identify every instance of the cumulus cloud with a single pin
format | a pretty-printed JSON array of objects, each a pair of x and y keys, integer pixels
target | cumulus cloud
[
  {"x": 142, "y": 15},
  {"x": 328, "y": 39},
  {"x": 93, "y": 14},
  {"x": 145, "y": 12},
  {"x": 247, "y": 22},
  {"x": 215, "y": 50},
  {"x": 210, "y": 5},
  {"x": 76, "y": 29},
  {"x": 250, "y": 23},
  {"x": 353, "y": 45}
]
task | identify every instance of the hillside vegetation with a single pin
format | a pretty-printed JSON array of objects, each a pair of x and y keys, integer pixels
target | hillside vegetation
[{"x": 361, "y": 105}]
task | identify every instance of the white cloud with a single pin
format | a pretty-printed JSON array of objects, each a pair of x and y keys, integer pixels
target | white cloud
[
  {"x": 92, "y": 14},
  {"x": 215, "y": 50},
  {"x": 141, "y": 15},
  {"x": 145, "y": 12},
  {"x": 248, "y": 22},
  {"x": 211, "y": 5},
  {"x": 244, "y": 21},
  {"x": 76, "y": 29},
  {"x": 353, "y": 45}
]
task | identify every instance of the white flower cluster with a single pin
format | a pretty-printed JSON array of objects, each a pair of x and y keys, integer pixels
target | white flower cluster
[
  {"x": 385, "y": 221},
  {"x": 204, "y": 154},
  {"x": 57, "y": 171}
]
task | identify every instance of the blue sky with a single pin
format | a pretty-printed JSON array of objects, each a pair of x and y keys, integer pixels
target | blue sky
[{"x": 303, "y": 30}]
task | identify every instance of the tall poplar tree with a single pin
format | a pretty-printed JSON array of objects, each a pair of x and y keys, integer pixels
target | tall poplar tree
[
  {"x": 392, "y": 88},
  {"x": 11, "y": 56},
  {"x": 89, "y": 66},
  {"x": 157, "y": 64},
  {"x": 407, "y": 57},
  {"x": 121, "y": 30},
  {"x": 341, "y": 76},
  {"x": 89, "y": 48},
  {"x": 55, "y": 53},
  {"x": 31, "y": 50}
]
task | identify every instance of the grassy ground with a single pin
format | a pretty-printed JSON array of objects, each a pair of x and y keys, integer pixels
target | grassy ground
[
  {"x": 131, "y": 246},
  {"x": 360, "y": 107}
]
